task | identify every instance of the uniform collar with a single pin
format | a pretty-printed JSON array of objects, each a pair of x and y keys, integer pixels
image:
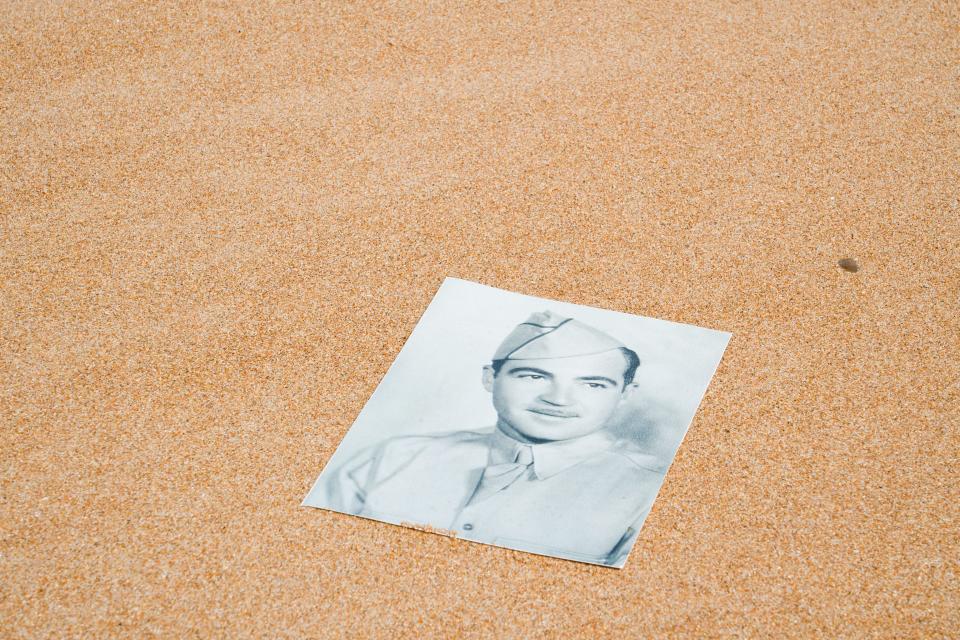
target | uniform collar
[{"x": 549, "y": 458}]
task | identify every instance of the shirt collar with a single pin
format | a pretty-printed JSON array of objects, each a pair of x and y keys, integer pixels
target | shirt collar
[{"x": 549, "y": 458}]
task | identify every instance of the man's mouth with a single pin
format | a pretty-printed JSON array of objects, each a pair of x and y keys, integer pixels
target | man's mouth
[{"x": 553, "y": 413}]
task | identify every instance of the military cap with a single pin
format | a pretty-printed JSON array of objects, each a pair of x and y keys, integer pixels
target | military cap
[{"x": 549, "y": 335}]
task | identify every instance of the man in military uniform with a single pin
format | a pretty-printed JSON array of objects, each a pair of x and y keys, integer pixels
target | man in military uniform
[{"x": 548, "y": 478}]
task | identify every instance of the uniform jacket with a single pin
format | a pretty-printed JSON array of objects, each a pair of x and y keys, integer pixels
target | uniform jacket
[{"x": 583, "y": 499}]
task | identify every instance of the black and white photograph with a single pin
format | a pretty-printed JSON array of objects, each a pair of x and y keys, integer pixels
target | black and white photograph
[{"x": 525, "y": 423}]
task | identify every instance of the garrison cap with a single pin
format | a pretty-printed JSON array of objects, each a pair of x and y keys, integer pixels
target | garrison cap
[{"x": 548, "y": 335}]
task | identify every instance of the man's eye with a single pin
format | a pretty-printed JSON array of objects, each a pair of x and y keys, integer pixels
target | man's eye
[
  {"x": 532, "y": 376},
  {"x": 596, "y": 385}
]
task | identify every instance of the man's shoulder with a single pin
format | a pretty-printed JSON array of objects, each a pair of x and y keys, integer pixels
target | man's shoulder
[
  {"x": 399, "y": 452},
  {"x": 443, "y": 440},
  {"x": 632, "y": 459}
]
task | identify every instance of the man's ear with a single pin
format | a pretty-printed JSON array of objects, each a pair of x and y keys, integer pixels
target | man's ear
[
  {"x": 488, "y": 376},
  {"x": 628, "y": 391}
]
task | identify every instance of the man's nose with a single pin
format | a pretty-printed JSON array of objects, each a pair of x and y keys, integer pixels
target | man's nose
[{"x": 558, "y": 394}]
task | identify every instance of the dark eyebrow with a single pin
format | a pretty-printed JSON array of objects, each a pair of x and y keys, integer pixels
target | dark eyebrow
[
  {"x": 599, "y": 378},
  {"x": 539, "y": 372}
]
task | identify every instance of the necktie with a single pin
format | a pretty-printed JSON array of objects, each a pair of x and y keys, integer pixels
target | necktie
[{"x": 498, "y": 477}]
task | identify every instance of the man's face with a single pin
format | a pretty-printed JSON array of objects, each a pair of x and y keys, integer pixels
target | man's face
[{"x": 558, "y": 398}]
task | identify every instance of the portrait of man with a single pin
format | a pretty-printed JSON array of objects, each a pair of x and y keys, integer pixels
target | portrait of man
[{"x": 549, "y": 476}]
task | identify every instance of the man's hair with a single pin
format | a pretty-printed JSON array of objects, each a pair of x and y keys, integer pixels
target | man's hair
[{"x": 633, "y": 363}]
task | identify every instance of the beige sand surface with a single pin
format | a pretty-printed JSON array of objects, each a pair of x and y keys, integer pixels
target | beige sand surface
[{"x": 219, "y": 223}]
